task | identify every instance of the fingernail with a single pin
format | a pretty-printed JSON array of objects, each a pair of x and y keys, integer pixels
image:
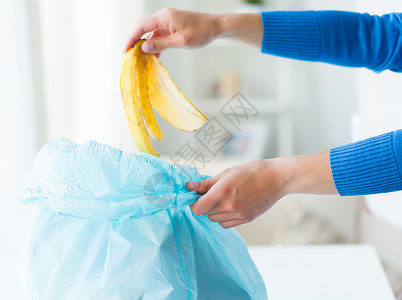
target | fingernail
[
  {"x": 192, "y": 185},
  {"x": 147, "y": 47}
]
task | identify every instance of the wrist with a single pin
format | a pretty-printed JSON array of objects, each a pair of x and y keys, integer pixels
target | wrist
[
  {"x": 286, "y": 174},
  {"x": 275, "y": 174},
  {"x": 246, "y": 27},
  {"x": 224, "y": 24},
  {"x": 307, "y": 174},
  {"x": 291, "y": 174}
]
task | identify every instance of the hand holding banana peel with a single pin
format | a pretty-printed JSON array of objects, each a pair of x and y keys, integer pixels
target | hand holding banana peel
[
  {"x": 175, "y": 28},
  {"x": 144, "y": 81}
]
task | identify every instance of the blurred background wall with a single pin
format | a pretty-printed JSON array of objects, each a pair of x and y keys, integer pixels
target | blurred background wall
[
  {"x": 21, "y": 129},
  {"x": 60, "y": 68}
]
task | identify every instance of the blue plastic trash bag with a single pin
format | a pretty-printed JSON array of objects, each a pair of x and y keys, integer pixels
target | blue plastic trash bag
[{"x": 112, "y": 225}]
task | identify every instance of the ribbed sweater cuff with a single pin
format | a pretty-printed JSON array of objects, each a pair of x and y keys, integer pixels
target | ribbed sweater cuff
[
  {"x": 370, "y": 166},
  {"x": 291, "y": 34}
]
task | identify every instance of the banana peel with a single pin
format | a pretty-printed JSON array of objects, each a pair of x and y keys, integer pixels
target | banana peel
[
  {"x": 145, "y": 83},
  {"x": 169, "y": 101},
  {"x": 129, "y": 87},
  {"x": 143, "y": 95}
]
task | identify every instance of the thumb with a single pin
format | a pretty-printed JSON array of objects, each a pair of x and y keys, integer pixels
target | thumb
[
  {"x": 157, "y": 44},
  {"x": 201, "y": 187}
]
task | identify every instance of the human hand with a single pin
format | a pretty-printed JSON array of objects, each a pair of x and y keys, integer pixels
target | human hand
[
  {"x": 240, "y": 194},
  {"x": 173, "y": 28}
]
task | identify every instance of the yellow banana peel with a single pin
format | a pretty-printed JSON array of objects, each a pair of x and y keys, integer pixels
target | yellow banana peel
[
  {"x": 143, "y": 95},
  {"x": 129, "y": 87},
  {"x": 169, "y": 101},
  {"x": 144, "y": 81}
]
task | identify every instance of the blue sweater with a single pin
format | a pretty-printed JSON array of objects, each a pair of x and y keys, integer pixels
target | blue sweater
[{"x": 347, "y": 39}]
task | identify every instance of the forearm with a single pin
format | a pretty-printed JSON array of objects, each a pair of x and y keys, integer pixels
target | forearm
[
  {"x": 341, "y": 38},
  {"x": 246, "y": 28},
  {"x": 240, "y": 194},
  {"x": 370, "y": 166},
  {"x": 307, "y": 174}
]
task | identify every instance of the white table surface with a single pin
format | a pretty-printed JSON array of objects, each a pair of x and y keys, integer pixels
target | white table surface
[{"x": 344, "y": 272}]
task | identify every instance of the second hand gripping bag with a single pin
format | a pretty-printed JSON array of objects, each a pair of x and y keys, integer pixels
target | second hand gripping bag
[{"x": 112, "y": 225}]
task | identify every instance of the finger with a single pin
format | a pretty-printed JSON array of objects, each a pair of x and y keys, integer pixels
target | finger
[
  {"x": 204, "y": 204},
  {"x": 158, "y": 44},
  {"x": 223, "y": 217},
  {"x": 202, "y": 187},
  {"x": 221, "y": 207},
  {"x": 140, "y": 27},
  {"x": 232, "y": 223},
  {"x": 157, "y": 33}
]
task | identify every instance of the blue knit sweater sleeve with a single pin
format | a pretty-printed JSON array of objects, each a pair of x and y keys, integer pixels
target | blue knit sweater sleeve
[
  {"x": 336, "y": 37},
  {"x": 348, "y": 39},
  {"x": 370, "y": 166}
]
